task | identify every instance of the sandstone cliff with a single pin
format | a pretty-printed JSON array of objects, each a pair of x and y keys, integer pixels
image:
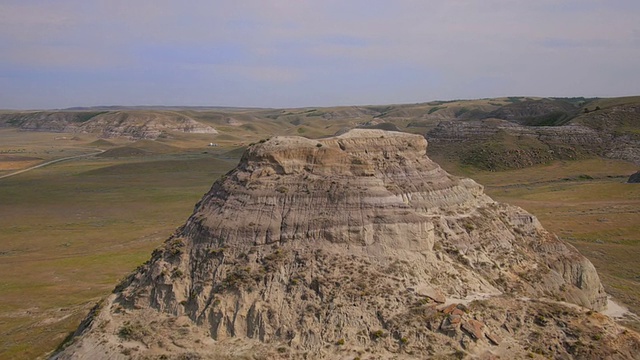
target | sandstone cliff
[{"x": 354, "y": 246}]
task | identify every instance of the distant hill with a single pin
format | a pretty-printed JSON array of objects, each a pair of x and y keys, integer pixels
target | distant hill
[
  {"x": 159, "y": 107},
  {"x": 107, "y": 124},
  {"x": 499, "y": 144},
  {"x": 497, "y": 133},
  {"x": 528, "y": 132},
  {"x": 544, "y": 112}
]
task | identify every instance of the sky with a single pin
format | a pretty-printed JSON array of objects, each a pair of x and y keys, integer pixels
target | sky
[{"x": 297, "y": 53}]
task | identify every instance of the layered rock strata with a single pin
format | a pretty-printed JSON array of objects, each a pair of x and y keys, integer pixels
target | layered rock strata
[
  {"x": 350, "y": 246},
  {"x": 107, "y": 124},
  {"x": 521, "y": 146}
]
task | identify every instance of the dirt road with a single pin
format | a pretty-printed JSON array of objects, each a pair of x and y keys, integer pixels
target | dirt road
[{"x": 49, "y": 163}]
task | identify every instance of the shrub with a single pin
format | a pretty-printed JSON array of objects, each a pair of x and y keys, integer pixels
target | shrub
[
  {"x": 129, "y": 331},
  {"x": 177, "y": 273},
  {"x": 458, "y": 354},
  {"x": 174, "y": 247}
]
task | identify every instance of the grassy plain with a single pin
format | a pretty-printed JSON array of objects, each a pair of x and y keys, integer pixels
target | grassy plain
[{"x": 71, "y": 230}]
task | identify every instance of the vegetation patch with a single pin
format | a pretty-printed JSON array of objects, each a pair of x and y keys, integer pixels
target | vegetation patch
[
  {"x": 133, "y": 331},
  {"x": 435, "y": 108},
  {"x": 86, "y": 116}
]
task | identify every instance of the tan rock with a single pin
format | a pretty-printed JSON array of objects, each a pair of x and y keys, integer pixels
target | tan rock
[
  {"x": 474, "y": 328},
  {"x": 449, "y": 309},
  {"x": 494, "y": 339},
  {"x": 431, "y": 292}
]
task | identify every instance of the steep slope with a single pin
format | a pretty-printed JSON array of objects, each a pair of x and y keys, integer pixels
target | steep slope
[
  {"x": 354, "y": 246},
  {"x": 142, "y": 125},
  {"x": 618, "y": 119},
  {"x": 541, "y": 112},
  {"x": 533, "y": 132},
  {"x": 499, "y": 144}
]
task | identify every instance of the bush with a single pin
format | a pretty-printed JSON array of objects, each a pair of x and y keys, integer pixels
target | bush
[
  {"x": 177, "y": 273},
  {"x": 132, "y": 332}
]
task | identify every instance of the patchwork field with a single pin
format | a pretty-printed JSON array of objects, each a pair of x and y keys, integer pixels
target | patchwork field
[{"x": 72, "y": 229}]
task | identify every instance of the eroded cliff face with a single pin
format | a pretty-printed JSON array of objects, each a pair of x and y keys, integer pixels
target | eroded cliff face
[
  {"x": 107, "y": 124},
  {"x": 351, "y": 243},
  {"x": 499, "y": 144},
  {"x": 495, "y": 144}
]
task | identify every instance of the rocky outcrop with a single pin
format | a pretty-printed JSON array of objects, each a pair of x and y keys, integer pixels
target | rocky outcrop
[
  {"x": 142, "y": 125},
  {"x": 108, "y": 124},
  {"x": 573, "y": 135},
  {"x": 634, "y": 178},
  {"x": 504, "y": 141},
  {"x": 346, "y": 246},
  {"x": 499, "y": 144},
  {"x": 620, "y": 124}
]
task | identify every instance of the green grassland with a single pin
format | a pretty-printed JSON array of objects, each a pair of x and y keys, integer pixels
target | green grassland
[{"x": 71, "y": 230}]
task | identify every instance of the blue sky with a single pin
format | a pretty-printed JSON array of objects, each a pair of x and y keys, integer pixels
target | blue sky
[{"x": 294, "y": 53}]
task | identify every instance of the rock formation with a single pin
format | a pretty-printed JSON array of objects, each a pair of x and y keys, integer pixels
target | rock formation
[
  {"x": 494, "y": 144},
  {"x": 355, "y": 246},
  {"x": 107, "y": 124},
  {"x": 634, "y": 178},
  {"x": 499, "y": 144},
  {"x": 620, "y": 123},
  {"x": 504, "y": 139}
]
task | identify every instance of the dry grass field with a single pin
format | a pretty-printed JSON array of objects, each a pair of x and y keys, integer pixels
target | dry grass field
[{"x": 71, "y": 230}]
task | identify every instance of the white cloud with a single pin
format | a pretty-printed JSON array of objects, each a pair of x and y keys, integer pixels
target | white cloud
[{"x": 515, "y": 46}]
